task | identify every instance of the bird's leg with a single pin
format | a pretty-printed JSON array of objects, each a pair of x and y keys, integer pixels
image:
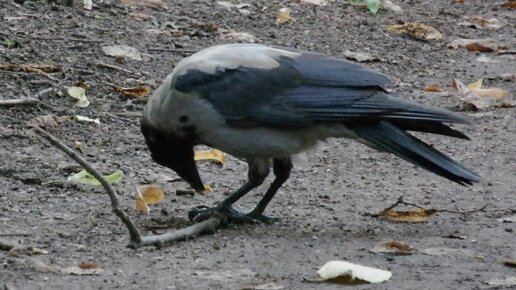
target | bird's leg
[
  {"x": 258, "y": 171},
  {"x": 282, "y": 168}
]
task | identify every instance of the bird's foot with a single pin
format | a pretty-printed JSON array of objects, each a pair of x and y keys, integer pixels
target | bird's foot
[
  {"x": 260, "y": 217},
  {"x": 233, "y": 216}
]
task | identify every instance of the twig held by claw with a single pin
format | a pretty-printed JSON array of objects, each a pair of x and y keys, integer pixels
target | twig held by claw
[{"x": 136, "y": 239}]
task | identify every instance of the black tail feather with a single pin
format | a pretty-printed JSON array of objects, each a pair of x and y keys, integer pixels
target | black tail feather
[{"x": 389, "y": 138}]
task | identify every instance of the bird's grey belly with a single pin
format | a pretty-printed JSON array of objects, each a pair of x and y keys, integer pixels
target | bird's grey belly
[{"x": 266, "y": 142}]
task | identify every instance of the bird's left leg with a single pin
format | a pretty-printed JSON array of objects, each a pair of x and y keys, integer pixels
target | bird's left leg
[
  {"x": 281, "y": 168},
  {"x": 258, "y": 171}
]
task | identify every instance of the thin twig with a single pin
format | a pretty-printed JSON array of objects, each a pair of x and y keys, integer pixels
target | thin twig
[
  {"x": 114, "y": 67},
  {"x": 30, "y": 100},
  {"x": 463, "y": 212},
  {"x": 20, "y": 101},
  {"x": 64, "y": 38},
  {"x": 134, "y": 234},
  {"x": 137, "y": 240}
]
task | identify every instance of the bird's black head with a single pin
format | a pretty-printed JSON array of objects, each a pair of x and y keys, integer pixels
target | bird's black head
[{"x": 176, "y": 153}]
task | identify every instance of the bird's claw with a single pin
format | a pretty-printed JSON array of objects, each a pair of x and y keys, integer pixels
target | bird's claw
[
  {"x": 202, "y": 213},
  {"x": 262, "y": 218}
]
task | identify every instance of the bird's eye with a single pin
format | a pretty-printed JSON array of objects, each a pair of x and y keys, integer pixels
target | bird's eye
[{"x": 183, "y": 119}]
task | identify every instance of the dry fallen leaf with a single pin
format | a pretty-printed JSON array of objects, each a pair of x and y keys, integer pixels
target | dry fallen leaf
[
  {"x": 40, "y": 266},
  {"x": 435, "y": 88},
  {"x": 140, "y": 206},
  {"x": 511, "y": 4},
  {"x": 481, "y": 22},
  {"x": 410, "y": 216},
  {"x": 151, "y": 193},
  {"x": 212, "y": 155},
  {"x": 123, "y": 51},
  {"x": 36, "y": 68},
  {"x": 393, "y": 247},
  {"x": 88, "y": 265},
  {"x": 208, "y": 188},
  {"x": 138, "y": 91},
  {"x": 481, "y": 45},
  {"x": 475, "y": 98},
  {"x": 347, "y": 273},
  {"x": 416, "y": 30},
  {"x": 79, "y": 94},
  {"x": 144, "y": 3},
  {"x": 284, "y": 16},
  {"x": 46, "y": 121},
  {"x": 362, "y": 56}
]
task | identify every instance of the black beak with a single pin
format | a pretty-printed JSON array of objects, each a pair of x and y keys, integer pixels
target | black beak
[
  {"x": 174, "y": 153},
  {"x": 187, "y": 170}
]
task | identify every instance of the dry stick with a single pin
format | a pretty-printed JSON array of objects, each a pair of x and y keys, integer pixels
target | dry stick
[
  {"x": 20, "y": 101},
  {"x": 28, "y": 101},
  {"x": 134, "y": 234},
  {"x": 136, "y": 240},
  {"x": 114, "y": 67},
  {"x": 464, "y": 212}
]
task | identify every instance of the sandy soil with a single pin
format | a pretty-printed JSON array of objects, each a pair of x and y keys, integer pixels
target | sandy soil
[{"x": 322, "y": 206}]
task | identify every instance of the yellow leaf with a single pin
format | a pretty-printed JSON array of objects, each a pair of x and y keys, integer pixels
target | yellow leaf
[
  {"x": 150, "y": 193},
  {"x": 410, "y": 216},
  {"x": 212, "y": 154},
  {"x": 416, "y": 30},
  {"x": 138, "y": 91},
  {"x": 140, "y": 206},
  {"x": 284, "y": 16},
  {"x": 476, "y": 85},
  {"x": 208, "y": 188}
]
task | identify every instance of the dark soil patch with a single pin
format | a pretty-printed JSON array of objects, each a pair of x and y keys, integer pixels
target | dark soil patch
[{"x": 321, "y": 205}]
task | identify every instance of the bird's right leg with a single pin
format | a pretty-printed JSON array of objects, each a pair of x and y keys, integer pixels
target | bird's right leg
[{"x": 258, "y": 171}]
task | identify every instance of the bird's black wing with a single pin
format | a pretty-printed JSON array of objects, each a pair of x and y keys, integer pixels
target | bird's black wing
[{"x": 304, "y": 90}]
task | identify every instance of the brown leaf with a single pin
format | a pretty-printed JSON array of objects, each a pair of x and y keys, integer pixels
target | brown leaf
[
  {"x": 46, "y": 121},
  {"x": 510, "y": 4},
  {"x": 435, "y": 88},
  {"x": 89, "y": 265},
  {"x": 416, "y": 30},
  {"x": 483, "y": 45},
  {"x": 394, "y": 247},
  {"x": 475, "y": 46},
  {"x": 134, "y": 92},
  {"x": 410, "y": 216},
  {"x": 475, "y": 98},
  {"x": 37, "y": 68}
]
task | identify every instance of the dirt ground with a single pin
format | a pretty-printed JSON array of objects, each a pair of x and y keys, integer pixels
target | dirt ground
[{"x": 322, "y": 206}]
